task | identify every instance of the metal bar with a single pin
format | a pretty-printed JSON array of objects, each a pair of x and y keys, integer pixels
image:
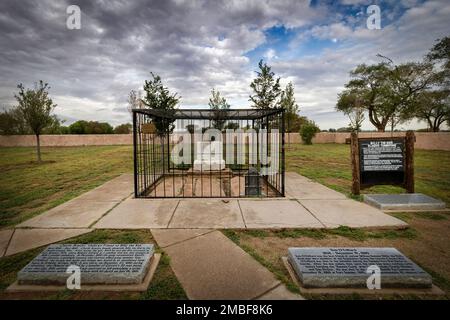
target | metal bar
[{"x": 135, "y": 155}]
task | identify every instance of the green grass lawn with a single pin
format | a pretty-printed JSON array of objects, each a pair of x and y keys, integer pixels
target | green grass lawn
[{"x": 28, "y": 188}]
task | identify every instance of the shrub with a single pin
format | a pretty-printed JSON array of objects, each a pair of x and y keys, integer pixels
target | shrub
[{"x": 308, "y": 131}]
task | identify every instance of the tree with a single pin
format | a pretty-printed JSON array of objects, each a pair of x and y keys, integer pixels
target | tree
[
  {"x": 308, "y": 132},
  {"x": 218, "y": 104},
  {"x": 12, "y": 122},
  {"x": 90, "y": 127},
  {"x": 386, "y": 91},
  {"x": 434, "y": 105},
  {"x": 55, "y": 128},
  {"x": 441, "y": 53},
  {"x": 434, "y": 108},
  {"x": 159, "y": 98},
  {"x": 287, "y": 102},
  {"x": 123, "y": 128},
  {"x": 36, "y": 107},
  {"x": 135, "y": 100},
  {"x": 352, "y": 108},
  {"x": 266, "y": 88},
  {"x": 78, "y": 127}
]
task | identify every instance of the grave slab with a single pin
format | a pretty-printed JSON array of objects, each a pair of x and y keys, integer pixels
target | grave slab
[
  {"x": 347, "y": 267},
  {"x": 212, "y": 267},
  {"x": 140, "y": 287},
  {"x": 76, "y": 213},
  {"x": 26, "y": 239},
  {"x": 434, "y": 290},
  {"x": 98, "y": 263},
  {"x": 5, "y": 236},
  {"x": 168, "y": 237},
  {"x": 406, "y": 201},
  {"x": 207, "y": 213},
  {"x": 139, "y": 214},
  {"x": 277, "y": 214},
  {"x": 350, "y": 213}
]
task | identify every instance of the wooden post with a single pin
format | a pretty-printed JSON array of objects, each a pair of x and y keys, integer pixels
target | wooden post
[
  {"x": 355, "y": 163},
  {"x": 409, "y": 161}
]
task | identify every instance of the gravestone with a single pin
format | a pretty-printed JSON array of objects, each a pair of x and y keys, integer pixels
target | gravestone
[
  {"x": 252, "y": 182},
  {"x": 209, "y": 156},
  {"x": 347, "y": 268},
  {"x": 98, "y": 263},
  {"x": 409, "y": 201}
]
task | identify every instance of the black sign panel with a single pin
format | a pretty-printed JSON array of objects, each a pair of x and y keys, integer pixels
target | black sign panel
[{"x": 382, "y": 161}]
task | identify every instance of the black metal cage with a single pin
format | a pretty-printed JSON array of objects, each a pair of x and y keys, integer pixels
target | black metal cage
[{"x": 208, "y": 153}]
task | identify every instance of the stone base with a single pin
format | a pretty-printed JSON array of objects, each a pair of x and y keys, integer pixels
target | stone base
[
  {"x": 140, "y": 287},
  {"x": 406, "y": 201},
  {"x": 209, "y": 165},
  {"x": 434, "y": 290}
]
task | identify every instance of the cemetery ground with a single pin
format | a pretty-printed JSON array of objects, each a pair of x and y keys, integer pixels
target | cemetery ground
[{"x": 28, "y": 189}]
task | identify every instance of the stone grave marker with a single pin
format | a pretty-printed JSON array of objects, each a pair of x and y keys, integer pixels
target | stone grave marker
[
  {"x": 98, "y": 263},
  {"x": 409, "y": 201},
  {"x": 347, "y": 268}
]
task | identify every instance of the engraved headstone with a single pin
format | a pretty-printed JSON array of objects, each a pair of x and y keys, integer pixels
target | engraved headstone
[
  {"x": 347, "y": 268},
  {"x": 98, "y": 263}
]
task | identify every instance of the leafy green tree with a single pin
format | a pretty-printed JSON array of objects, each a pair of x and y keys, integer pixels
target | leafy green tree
[
  {"x": 78, "y": 127},
  {"x": 55, "y": 128},
  {"x": 232, "y": 125},
  {"x": 287, "y": 102},
  {"x": 125, "y": 128},
  {"x": 441, "y": 53},
  {"x": 36, "y": 107},
  {"x": 159, "y": 98},
  {"x": 12, "y": 122},
  {"x": 308, "y": 132},
  {"x": 218, "y": 104},
  {"x": 265, "y": 87},
  {"x": 433, "y": 107},
  {"x": 386, "y": 90}
]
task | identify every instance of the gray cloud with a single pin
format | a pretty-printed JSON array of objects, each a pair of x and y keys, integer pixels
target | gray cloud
[{"x": 193, "y": 45}]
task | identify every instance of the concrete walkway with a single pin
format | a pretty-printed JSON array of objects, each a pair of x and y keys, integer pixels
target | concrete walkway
[
  {"x": 307, "y": 205},
  {"x": 210, "y": 266}
]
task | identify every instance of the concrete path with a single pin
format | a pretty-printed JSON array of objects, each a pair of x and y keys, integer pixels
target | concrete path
[
  {"x": 5, "y": 237},
  {"x": 308, "y": 205},
  {"x": 26, "y": 239},
  {"x": 86, "y": 209},
  {"x": 210, "y": 266}
]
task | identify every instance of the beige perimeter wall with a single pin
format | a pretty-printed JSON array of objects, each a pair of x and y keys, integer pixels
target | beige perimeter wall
[{"x": 424, "y": 140}]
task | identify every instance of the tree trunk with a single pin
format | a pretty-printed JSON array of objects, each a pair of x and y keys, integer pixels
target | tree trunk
[{"x": 38, "y": 148}]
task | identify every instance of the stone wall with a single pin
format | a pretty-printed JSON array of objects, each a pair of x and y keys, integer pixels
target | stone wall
[
  {"x": 424, "y": 140},
  {"x": 69, "y": 140}
]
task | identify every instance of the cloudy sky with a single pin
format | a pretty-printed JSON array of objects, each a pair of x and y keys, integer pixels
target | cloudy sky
[{"x": 197, "y": 45}]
